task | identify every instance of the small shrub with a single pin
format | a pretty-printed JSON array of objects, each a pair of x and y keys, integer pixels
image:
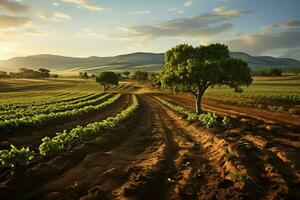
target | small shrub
[
  {"x": 16, "y": 157},
  {"x": 292, "y": 111},
  {"x": 226, "y": 122}
]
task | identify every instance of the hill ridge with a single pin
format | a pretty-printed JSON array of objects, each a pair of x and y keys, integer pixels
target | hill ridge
[{"x": 145, "y": 61}]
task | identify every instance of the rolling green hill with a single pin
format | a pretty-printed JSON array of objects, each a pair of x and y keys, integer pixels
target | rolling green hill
[{"x": 131, "y": 62}]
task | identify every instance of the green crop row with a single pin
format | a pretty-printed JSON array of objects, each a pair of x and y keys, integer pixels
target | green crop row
[
  {"x": 277, "y": 97},
  {"x": 53, "y": 108},
  {"x": 46, "y": 106},
  {"x": 209, "y": 120},
  {"x": 50, "y": 146},
  {"x": 41, "y": 102},
  {"x": 15, "y": 157},
  {"x": 12, "y": 124}
]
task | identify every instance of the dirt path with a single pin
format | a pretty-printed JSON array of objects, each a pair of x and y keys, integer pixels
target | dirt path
[
  {"x": 32, "y": 137},
  {"x": 157, "y": 154},
  {"x": 152, "y": 156},
  {"x": 268, "y": 156}
]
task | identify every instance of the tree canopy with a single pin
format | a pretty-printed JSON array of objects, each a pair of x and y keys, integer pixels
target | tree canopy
[
  {"x": 268, "y": 72},
  {"x": 83, "y": 75},
  {"x": 107, "y": 78},
  {"x": 44, "y": 72},
  {"x": 194, "y": 69}
]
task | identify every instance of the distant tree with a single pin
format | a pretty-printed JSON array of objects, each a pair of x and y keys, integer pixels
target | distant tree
[
  {"x": 22, "y": 69},
  {"x": 83, "y": 75},
  {"x": 275, "y": 72},
  {"x": 107, "y": 79},
  {"x": 119, "y": 75},
  {"x": 126, "y": 73},
  {"x": 29, "y": 73},
  {"x": 140, "y": 76},
  {"x": 268, "y": 72},
  {"x": 3, "y": 74},
  {"x": 55, "y": 76},
  {"x": 45, "y": 73},
  {"x": 92, "y": 76},
  {"x": 14, "y": 75},
  {"x": 193, "y": 70}
]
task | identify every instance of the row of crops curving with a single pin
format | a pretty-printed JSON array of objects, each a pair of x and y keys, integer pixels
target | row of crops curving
[
  {"x": 50, "y": 146},
  {"x": 63, "y": 140},
  {"x": 40, "y": 116}
]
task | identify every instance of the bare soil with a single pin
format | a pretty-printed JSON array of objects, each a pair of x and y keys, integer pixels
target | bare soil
[{"x": 158, "y": 154}]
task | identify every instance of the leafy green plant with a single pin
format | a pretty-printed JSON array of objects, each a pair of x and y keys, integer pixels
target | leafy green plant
[
  {"x": 16, "y": 157},
  {"x": 30, "y": 121},
  {"x": 27, "y": 106},
  {"x": 62, "y": 140},
  {"x": 226, "y": 122},
  {"x": 209, "y": 120},
  {"x": 292, "y": 111},
  {"x": 53, "y": 108}
]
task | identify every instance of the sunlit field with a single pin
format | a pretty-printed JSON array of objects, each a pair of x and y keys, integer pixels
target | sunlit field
[{"x": 149, "y": 100}]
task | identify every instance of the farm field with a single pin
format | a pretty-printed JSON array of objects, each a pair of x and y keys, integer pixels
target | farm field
[{"x": 138, "y": 142}]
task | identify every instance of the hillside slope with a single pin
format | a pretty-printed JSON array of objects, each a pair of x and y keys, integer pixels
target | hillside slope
[{"x": 132, "y": 62}]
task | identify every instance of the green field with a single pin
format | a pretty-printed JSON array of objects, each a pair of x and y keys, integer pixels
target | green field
[
  {"x": 261, "y": 87},
  {"x": 20, "y": 90}
]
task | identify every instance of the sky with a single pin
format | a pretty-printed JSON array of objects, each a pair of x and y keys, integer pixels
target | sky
[{"x": 83, "y": 28}]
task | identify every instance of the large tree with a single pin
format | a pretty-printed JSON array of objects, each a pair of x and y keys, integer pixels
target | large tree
[
  {"x": 194, "y": 69},
  {"x": 107, "y": 78}
]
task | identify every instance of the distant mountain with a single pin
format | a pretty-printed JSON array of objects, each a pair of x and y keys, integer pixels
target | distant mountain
[
  {"x": 265, "y": 62},
  {"x": 132, "y": 62}
]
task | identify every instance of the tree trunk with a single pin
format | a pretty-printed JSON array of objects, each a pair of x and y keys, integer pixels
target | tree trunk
[
  {"x": 104, "y": 87},
  {"x": 198, "y": 104},
  {"x": 199, "y": 100}
]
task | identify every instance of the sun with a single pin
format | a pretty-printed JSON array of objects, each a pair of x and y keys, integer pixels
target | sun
[{"x": 7, "y": 50}]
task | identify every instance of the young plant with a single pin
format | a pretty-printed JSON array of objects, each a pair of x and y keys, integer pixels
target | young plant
[{"x": 16, "y": 157}]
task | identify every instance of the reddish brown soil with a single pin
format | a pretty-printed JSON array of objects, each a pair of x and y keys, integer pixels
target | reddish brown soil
[
  {"x": 218, "y": 107},
  {"x": 32, "y": 137},
  {"x": 158, "y": 154}
]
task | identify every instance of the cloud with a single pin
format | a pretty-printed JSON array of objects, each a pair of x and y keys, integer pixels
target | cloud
[
  {"x": 61, "y": 16},
  {"x": 175, "y": 9},
  {"x": 291, "y": 25},
  {"x": 11, "y": 21},
  {"x": 141, "y": 12},
  {"x": 57, "y": 16},
  {"x": 188, "y": 3},
  {"x": 84, "y": 4},
  {"x": 284, "y": 26},
  {"x": 102, "y": 34},
  {"x": 180, "y": 9},
  {"x": 56, "y": 4},
  {"x": 14, "y": 6},
  {"x": 260, "y": 43},
  {"x": 205, "y": 25},
  {"x": 230, "y": 11}
]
